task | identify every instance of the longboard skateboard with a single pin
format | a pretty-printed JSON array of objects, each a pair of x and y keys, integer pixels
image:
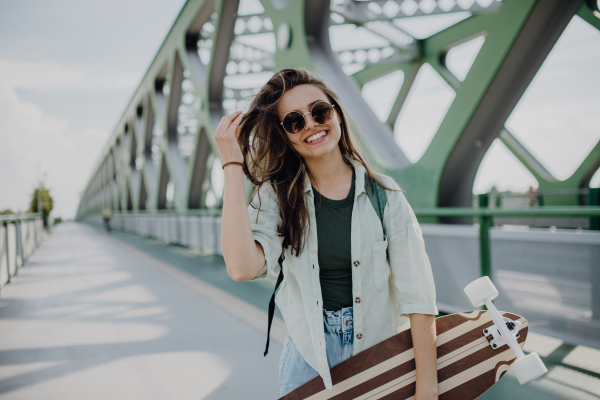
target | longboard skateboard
[{"x": 472, "y": 351}]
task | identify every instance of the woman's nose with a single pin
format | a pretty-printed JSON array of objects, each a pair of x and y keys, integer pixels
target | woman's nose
[{"x": 310, "y": 122}]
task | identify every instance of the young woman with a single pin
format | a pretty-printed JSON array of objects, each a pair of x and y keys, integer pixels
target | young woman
[{"x": 349, "y": 282}]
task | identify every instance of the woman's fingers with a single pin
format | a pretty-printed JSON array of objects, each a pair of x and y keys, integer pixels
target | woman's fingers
[
  {"x": 226, "y": 123},
  {"x": 225, "y": 137},
  {"x": 232, "y": 117},
  {"x": 223, "y": 126},
  {"x": 236, "y": 125}
]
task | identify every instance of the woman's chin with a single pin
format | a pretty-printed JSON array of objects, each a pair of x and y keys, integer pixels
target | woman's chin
[{"x": 319, "y": 152}]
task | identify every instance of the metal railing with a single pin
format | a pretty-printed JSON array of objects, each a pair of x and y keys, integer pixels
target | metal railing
[
  {"x": 551, "y": 276},
  {"x": 20, "y": 235},
  {"x": 538, "y": 198},
  {"x": 199, "y": 229},
  {"x": 486, "y": 216}
]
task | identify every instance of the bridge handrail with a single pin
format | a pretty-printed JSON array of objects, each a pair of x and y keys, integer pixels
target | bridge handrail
[
  {"x": 486, "y": 217},
  {"x": 19, "y": 217},
  {"x": 542, "y": 211},
  {"x": 210, "y": 212},
  {"x": 20, "y": 235}
]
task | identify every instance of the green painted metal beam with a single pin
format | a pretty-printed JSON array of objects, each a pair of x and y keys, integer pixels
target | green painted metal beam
[
  {"x": 118, "y": 181},
  {"x": 375, "y": 71},
  {"x": 421, "y": 180},
  {"x": 528, "y": 160},
  {"x": 410, "y": 71},
  {"x": 588, "y": 15}
]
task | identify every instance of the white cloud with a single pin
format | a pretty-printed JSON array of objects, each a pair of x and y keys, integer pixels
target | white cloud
[
  {"x": 29, "y": 137},
  {"x": 47, "y": 76},
  {"x": 78, "y": 62}
]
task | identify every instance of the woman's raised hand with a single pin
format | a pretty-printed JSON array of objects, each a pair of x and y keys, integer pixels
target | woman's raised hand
[
  {"x": 244, "y": 257},
  {"x": 226, "y": 135}
]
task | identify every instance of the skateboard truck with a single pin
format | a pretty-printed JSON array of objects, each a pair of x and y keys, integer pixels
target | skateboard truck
[
  {"x": 494, "y": 337},
  {"x": 526, "y": 367}
]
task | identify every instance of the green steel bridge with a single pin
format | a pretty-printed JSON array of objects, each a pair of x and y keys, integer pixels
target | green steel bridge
[
  {"x": 161, "y": 174},
  {"x": 161, "y": 155}
]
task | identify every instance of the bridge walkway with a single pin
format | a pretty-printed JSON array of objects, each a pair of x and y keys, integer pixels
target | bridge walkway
[
  {"x": 95, "y": 315},
  {"x": 91, "y": 317}
]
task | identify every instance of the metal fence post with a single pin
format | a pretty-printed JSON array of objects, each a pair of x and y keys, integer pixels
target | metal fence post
[
  {"x": 485, "y": 222},
  {"x": 7, "y": 259},
  {"x": 594, "y": 200},
  {"x": 19, "y": 246},
  {"x": 7, "y": 253}
]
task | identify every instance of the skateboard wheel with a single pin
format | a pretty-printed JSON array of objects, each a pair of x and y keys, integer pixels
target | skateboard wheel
[
  {"x": 528, "y": 368},
  {"x": 481, "y": 289}
]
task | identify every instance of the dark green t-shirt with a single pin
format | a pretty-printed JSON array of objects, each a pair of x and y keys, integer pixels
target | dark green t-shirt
[{"x": 334, "y": 225}]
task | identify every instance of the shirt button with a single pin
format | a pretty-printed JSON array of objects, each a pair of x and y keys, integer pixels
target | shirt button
[
  {"x": 348, "y": 322},
  {"x": 357, "y": 300},
  {"x": 356, "y": 263},
  {"x": 359, "y": 336}
]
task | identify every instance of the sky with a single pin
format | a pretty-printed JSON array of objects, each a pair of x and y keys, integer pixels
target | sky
[{"x": 69, "y": 68}]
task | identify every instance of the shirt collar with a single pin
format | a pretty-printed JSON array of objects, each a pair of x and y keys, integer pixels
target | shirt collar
[{"x": 359, "y": 183}]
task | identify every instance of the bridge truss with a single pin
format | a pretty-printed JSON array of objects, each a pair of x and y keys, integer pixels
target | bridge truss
[{"x": 161, "y": 155}]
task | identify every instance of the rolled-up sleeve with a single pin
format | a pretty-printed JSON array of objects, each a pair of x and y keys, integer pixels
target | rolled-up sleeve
[
  {"x": 264, "y": 220},
  {"x": 411, "y": 271}
]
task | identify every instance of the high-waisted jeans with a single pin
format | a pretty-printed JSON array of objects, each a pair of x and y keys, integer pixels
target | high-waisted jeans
[{"x": 294, "y": 371}]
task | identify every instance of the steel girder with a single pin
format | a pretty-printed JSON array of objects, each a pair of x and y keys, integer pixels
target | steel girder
[
  {"x": 161, "y": 154},
  {"x": 518, "y": 63},
  {"x": 580, "y": 179}
]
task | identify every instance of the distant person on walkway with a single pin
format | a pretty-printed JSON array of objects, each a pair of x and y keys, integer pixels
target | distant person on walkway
[
  {"x": 533, "y": 200},
  {"x": 348, "y": 284},
  {"x": 106, "y": 215}
]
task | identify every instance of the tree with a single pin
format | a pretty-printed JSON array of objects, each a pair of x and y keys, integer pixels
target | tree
[{"x": 47, "y": 203}]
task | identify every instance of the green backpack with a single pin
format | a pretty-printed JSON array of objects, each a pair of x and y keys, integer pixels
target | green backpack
[{"x": 378, "y": 201}]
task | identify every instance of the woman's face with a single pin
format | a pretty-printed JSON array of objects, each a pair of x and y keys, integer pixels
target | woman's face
[{"x": 301, "y": 98}]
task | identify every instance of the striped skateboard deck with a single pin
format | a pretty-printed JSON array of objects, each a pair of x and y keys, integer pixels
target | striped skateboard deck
[{"x": 467, "y": 364}]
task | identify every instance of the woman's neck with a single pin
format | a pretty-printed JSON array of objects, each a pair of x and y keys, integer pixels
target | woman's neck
[{"x": 330, "y": 175}]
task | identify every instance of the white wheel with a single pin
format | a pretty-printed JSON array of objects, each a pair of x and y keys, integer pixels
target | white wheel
[
  {"x": 528, "y": 368},
  {"x": 481, "y": 289}
]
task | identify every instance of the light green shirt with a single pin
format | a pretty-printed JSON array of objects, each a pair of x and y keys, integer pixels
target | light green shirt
[{"x": 386, "y": 286}]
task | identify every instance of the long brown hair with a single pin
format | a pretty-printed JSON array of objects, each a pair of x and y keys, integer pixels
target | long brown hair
[{"x": 269, "y": 156}]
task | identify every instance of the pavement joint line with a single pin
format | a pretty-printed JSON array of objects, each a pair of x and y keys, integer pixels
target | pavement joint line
[{"x": 239, "y": 309}]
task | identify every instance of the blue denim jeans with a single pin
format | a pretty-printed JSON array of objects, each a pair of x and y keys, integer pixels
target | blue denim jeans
[{"x": 294, "y": 371}]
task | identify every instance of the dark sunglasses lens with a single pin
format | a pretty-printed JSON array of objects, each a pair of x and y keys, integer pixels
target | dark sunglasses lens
[
  {"x": 322, "y": 113},
  {"x": 293, "y": 123}
]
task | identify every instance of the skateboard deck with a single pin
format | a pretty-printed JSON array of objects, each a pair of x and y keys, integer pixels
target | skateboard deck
[{"x": 467, "y": 364}]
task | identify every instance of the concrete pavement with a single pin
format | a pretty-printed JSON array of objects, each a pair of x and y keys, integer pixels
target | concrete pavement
[
  {"x": 89, "y": 318},
  {"x": 97, "y": 316}
]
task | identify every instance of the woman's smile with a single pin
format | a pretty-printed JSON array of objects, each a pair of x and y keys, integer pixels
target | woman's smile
[{"x": 317, "y": 137}]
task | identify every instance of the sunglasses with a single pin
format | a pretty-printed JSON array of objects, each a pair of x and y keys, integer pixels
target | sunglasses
[{"x": 295, "y": 122}]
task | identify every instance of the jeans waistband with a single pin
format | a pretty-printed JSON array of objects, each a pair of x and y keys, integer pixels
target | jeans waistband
[{"x": 338, "y": 321}]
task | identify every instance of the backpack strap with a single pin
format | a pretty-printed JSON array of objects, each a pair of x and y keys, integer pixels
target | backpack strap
[
  {"x": 272, "y": 302},
  {"x": 377, "y": 196}
]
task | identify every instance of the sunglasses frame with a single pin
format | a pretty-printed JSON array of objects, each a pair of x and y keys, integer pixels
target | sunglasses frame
[{"x": 304, "y": 116}]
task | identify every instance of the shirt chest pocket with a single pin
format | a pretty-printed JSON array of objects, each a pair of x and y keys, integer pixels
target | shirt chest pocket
[{"x": 381, "y": 266}]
